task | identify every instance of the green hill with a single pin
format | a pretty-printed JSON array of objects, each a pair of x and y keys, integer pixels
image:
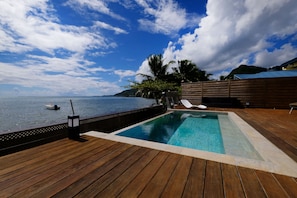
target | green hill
[
  {"x": 127, "y": 93},
  {"x": 245, "y": 69}
]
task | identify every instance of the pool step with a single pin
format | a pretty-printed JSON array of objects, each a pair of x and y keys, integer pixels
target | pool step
[{"x": 235, "y": 142}]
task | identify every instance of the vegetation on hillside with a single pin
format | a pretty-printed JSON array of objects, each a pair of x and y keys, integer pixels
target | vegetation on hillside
[
  {"x": 249, "y": 69},
  {"x": 127, "y": 93},
  {"x": 290, "y": 65},
  {"x": 245, "y": 69}
]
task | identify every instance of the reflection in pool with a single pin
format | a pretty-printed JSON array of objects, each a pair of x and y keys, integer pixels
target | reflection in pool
[{"x": 187, "y": 129}]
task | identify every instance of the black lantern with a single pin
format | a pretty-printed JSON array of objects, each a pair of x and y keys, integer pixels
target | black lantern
[{"x": 73, "y": 125}]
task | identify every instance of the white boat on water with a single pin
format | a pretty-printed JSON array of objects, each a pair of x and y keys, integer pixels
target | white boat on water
[{"x": 52, "y": 107}]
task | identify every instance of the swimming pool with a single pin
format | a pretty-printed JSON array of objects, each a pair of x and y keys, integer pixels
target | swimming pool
[
  {"x": 206, "y": 131},
  {"x": 243, "y": 145}
]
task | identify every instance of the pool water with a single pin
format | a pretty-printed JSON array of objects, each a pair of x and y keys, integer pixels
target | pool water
[
  {"x": 190, "y": 130},
  {"x": 199, "y": 133},
  {"x": 206, "y": 131}
]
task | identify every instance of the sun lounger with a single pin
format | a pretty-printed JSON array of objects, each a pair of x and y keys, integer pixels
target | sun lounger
[
  {"x": 292, "y": 105},
  {"x": 188, "y": 105}
]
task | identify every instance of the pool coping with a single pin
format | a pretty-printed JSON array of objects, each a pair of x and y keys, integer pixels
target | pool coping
[{"x": 274, "y": 159}]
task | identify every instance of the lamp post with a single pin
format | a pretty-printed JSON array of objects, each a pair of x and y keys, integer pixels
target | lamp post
[{"x": 73, "y": 125}]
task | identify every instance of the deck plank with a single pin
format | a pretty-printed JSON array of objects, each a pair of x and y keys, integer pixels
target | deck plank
[
  {"x": 270, "y": 185},
  {"x": 17, "y": 179},
  {"x": 104, "y": 181},
  {"x": 24, "y": 158},
  {"x": 75, "y": 176},
  {"x": 48, "y": 178},
  {"x": 97, "y": 171},
  {"x": 250, "y": 183},
  {"x": 196, "y": 178},
  {"x": 178, "y": 179},
  {"x": 115, "y": 188},
  {"x": 213, "y": 180},
  {"x": 231, "y": 181},
  {"x": 287, "y": 183},
  {"x": 135, "y": 188},
  {"x": 30, "y": 158},
  {"x": 25, "y": 155},
  {"x": 156, "y": 186}
]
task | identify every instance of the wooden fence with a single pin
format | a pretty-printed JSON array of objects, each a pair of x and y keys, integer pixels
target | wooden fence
[{"x": 263, "y": 93}]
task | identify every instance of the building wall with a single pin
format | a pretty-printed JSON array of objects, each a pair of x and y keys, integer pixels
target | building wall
[{"x": 263, "y": 93}]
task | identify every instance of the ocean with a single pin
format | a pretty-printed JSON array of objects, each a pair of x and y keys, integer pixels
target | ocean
[{"x": 20, "y": 113}]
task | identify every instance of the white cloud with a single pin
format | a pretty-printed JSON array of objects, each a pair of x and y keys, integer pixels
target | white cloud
[
  {"x": 73, "y": 65},
  {"x": 124, "y": 73},
  {"x": 100, "y": 6},
  {"x": 29, "y": 25},
  {"x": 276, "y": 57},
  {"x": 164, "y": 16},
  {"x": 68, "y": 75},
  {"x": 99, "y": 24},
  {"x": 143, "y": 69},
  {"x": 237, "y": 31},
  {"x": 7, "y": 43}
]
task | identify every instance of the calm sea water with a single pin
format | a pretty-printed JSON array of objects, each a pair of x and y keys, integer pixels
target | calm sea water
[{"x": 21, "y": 113}]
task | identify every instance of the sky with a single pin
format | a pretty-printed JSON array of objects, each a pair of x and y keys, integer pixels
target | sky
[{"x": 97, "y": 47}]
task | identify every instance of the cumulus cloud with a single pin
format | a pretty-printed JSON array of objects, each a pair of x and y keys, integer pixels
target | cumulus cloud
[
  {"x": 34, "y": 26},
  {"x": 165, "y": 17},
  {"x": 266, "y": 58},
  {"x": 234, "y": 32},
  {"x": 72, "y": 75},
  {"x": 143, "y": 69}
]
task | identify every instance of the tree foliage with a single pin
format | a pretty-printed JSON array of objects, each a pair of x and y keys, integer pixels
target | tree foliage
[
  {"x": 189, "y": 72},
  {"x": 157, "y": 68},
  {"x": 153, "y": 88},
  {"x": 160, "y": 81}
]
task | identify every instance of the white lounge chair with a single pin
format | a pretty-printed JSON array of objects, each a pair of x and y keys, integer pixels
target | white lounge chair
[
  {"x": 292, "y": 105},
  {"x": 188, "y": 105}
]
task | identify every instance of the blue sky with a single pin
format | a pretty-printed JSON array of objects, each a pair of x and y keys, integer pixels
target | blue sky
[{"x": 96, "y": 47}]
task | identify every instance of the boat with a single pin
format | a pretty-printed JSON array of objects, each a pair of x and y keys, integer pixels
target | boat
[{"x": 52, "y": 107}]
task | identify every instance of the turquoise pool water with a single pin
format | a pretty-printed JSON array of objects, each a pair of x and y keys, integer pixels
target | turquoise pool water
[
  {"x": 199, "y": 133},
  {"x": 194, "y": 130}
]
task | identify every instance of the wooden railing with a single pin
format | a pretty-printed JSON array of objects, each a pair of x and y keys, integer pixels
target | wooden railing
[{"x": 19, "y": 140}]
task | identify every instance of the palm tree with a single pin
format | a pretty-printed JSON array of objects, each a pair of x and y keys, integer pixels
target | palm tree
[
  {"x": 157, "y": 67},
  {"x": 157, "y": 83},
  {"x": 189, "y": 72}
]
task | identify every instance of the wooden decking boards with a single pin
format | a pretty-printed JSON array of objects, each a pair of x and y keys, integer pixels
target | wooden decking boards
[{"x": 103, "y": 168}]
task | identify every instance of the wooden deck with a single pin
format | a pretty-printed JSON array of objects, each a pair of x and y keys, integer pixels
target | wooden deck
[{"x": 104, "y": 168}]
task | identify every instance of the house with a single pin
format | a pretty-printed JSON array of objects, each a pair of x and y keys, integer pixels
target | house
[
  {"x": 268, "y": 74},
  {"x": 291, "y": 64}
]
